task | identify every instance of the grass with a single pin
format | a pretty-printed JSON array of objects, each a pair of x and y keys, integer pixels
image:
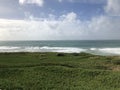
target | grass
[{"x": 58, "y": 71}]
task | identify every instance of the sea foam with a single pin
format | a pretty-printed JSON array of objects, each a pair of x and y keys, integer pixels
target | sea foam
[
  {"x": 110, "y": 50},
  {"x": 59, "y": 49},
  {"x": 41, "y": 49}
]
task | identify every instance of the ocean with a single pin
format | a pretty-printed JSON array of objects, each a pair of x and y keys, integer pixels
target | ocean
[{"x": 100, "y": 47}]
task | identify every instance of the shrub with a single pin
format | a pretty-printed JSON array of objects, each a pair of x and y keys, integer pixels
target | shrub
[
  {"x": 116, "y": 62},
  {"x": 60, "y": 54},
  {"x": 75, "y": 54}
]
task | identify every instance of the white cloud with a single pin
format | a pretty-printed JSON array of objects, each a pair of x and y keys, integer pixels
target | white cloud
[
  {"x": 40, "y": 28},
  {"x": 37, "y": 2},
  {"x": 65, "y": 27},
  {"x": 85, "y": 1},
  {"x": 60, "y": 0},
  {"x": 104, "y": 27},
  {"x": 5, "y": 10},
  {"x": 113, "y": 7}
]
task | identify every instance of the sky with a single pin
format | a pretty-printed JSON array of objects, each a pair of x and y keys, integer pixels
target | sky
[{"x": 59, "y": 19}]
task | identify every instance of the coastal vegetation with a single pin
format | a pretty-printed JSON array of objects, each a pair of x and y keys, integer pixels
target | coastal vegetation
[{"x": 59, "y": 71}]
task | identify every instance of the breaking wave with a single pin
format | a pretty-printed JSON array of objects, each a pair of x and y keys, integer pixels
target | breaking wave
[
  {"x": 41, "y": 49},
  {"x": 106, "y": 50},
  {"x": 60, "y": 49}
]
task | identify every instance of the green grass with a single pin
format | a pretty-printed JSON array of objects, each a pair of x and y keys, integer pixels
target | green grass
[{"x": 53, "y": 71}]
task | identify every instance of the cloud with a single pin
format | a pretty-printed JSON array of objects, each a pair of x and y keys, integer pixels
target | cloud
[
  {"x": 5, "y": 10},
  {"x": 60, "y": 0},
  {"x": 37, "y": 28},
  {"x": 84, "y": 1},
  {"x": 37, "y": 2},
  {"x": 113, "y": 7},
  {"x": 66, "y": 27},
  {"x": 104, "y": 27}
]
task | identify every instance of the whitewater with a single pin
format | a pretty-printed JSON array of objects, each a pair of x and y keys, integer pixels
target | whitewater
[{"x": 103, "y": 47}]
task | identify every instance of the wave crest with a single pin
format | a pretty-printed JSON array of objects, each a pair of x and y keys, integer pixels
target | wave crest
[
  {"x": 60, "y": 49},
  {"x": 41, "y": 49}
]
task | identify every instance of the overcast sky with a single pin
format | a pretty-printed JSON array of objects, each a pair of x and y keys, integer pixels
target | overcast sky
[{"x": 59, "y": 19}]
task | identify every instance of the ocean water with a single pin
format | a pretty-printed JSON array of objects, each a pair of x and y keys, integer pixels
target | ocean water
[{"x": 101, "y": 47}]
